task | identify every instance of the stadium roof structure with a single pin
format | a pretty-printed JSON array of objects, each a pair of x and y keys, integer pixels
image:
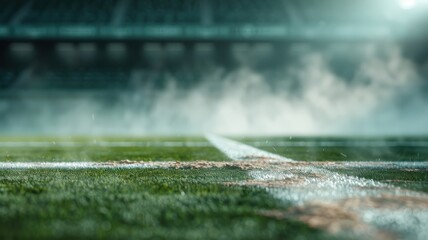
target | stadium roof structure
[{"x": 213, "y": 20}]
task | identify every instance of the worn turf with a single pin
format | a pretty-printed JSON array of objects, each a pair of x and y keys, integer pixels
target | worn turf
[
  {"x": 340, "y": 149},
  {"x": 172, "y": 203},
  {"x": 413, "y": 179}
]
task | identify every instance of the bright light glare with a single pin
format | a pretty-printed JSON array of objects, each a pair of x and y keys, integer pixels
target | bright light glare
[{"x": 407, "y": 4}]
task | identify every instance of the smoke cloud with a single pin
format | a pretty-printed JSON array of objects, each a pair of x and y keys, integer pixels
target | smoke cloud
[{"x": 338, "y": 90}]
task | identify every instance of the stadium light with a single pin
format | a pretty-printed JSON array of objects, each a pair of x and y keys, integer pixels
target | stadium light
[{"x": 407, "y": 4}]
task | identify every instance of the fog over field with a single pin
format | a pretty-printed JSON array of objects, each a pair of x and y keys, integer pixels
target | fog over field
[{"x": 364, "y": 89}]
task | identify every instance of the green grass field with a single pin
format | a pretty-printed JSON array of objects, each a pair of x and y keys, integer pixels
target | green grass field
[
  {"x": 345, "y": 149},
  {"x": 177, "y": 203},
  {"x": 108, "y": 149}
]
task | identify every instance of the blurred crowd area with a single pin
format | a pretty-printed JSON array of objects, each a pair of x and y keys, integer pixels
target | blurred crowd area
[
  {"x": 115, "y": 45},
  {"x": 241, "y": 66},
  {"x": 155, "y": 66},
  {"x": 137, "y": 12}
]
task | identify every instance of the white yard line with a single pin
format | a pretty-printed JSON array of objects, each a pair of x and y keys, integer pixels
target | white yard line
[
  {"x": 156, "y": 164},
  {"x": 379, "y": 165},
  {"x": 329, "y": 143},
  {"x": 413, "y": 166},
  {"x": 81, "y": 165},
  {"x": 300, "y": 184},
  {"x": 306, "y": 185},
  {"x": 327, "y": 185},
  {"x": 238, "y": 151},
  {"x": 107, "y": 144}
]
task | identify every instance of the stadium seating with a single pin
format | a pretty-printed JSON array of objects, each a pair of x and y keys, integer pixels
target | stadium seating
[
  {"x": 339, "y": 12},
  {"x": 8, "y": 9},
  {"x": 70, "y": 12},
  {"x": 248, "y": 11},
  {"x": 6, "y": 78},
  {"x": 163, "y": 12},
  {"x": 202, "y": 19},
  {"x": 60, "y": 78},
  {"x": 192, "y": 12},
  {"x": 92, "y": 79},
  {"x": 37, "y": 33},
  {"x": 150, "y": 12}
]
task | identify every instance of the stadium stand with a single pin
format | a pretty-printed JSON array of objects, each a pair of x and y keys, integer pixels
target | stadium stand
[
  {"x": 8, "y": 9},
  {"x": 163, "y": 12},
  {"x": 92, "y": 33},
  {"x": 340, "y": 12},
  {"x": 7, "y": 78},
  {"x": 95, "y": 78},
  {"x": 246, "y": 12},
  {"x": 202, "y": 19},
  {"x": 69, "y": 12}
]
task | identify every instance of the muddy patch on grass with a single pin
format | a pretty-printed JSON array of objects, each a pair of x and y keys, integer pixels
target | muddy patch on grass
[
  {"x": 387, "y": 202},
  {"x": 331, "y": 218},
  {"x": 341, "y": 204},
  {"x": 269, "y": 184},
  {"x": 266, "y": 163},
  {"x": 201, "y": 164},
  {"x": 347, "y": 216}
]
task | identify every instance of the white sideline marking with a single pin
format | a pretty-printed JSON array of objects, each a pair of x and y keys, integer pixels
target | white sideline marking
[
  {"x": 166, "y": 164},
  {"x": 379, "y": 165},
  {"x": 106, "y": 144},
  {"x": 313, "y": 184},
  {"x": 330, "y": 143},
  {"x": 79, "y": 165},
  {"x": 238, "y": 151}
]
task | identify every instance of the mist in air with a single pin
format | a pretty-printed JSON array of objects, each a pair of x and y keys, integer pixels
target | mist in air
[{"x": 340, "y": 89}]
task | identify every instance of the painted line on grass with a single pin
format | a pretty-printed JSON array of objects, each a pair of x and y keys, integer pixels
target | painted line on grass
[
  {"x": 238, "y": 151},
  {"x": 350, "y": 144},
  {"x": 310, "y": 187},
  {"x": 254, "y": 165},
  {"x": 377, "y": 165},
  {"x": 83, "y": 165},
  {"x": 106, "y": 144},
  {"x": 314, "y": 177},
  {"x": 329, "y": 143}
]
